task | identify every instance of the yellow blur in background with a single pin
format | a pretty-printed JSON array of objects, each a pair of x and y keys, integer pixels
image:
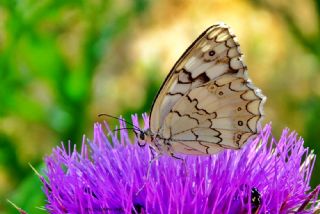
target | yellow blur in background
[{"x": 64, "y": 62}]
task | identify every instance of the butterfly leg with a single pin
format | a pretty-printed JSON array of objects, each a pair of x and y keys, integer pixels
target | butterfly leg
[
  {"x": 153, "y": 159},
  {"x": 176, "y": 157},
  {"x": 155, "y": 156},
  {"x": 183, "y": 162},
  {"x": 153, "y": 152},
  {"x": 170, "y": 151}
]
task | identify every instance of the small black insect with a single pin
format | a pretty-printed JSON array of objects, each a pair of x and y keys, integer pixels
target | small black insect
[{"x": 255, "y": 199}]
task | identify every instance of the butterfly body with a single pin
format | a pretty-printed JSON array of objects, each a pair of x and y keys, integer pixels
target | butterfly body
[{"x": 207, "y": 103}]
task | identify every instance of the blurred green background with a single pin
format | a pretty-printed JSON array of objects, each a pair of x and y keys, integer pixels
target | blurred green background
[{"x": 64, "y": 62}]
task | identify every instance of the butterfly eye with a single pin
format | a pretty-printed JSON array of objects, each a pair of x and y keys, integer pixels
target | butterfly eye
[{"x": 141, "y": 136}]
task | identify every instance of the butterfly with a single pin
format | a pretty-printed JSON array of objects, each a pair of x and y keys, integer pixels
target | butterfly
[{"x": 206, "y": 103}]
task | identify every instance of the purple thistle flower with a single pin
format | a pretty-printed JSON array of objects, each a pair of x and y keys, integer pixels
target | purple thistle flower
[{"x": 266, "y": 176}]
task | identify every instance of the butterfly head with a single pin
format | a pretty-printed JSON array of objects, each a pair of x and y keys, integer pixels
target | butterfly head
[{"x": 144, "y": 136}]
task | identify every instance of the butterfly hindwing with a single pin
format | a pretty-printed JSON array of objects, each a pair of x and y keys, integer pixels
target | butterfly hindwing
[{"x": 223, "y": 112}]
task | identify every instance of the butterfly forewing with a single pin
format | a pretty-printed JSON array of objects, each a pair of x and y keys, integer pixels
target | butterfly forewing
[{"x": 207, "y": 103}]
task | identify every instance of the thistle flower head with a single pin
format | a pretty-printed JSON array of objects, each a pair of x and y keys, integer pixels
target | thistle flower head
[{"x": 109, "y": 175}]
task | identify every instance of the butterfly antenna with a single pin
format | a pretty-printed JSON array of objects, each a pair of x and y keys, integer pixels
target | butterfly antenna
[
  {"x": 130, "y": 128},
  {"x": 118, "y": 118}
]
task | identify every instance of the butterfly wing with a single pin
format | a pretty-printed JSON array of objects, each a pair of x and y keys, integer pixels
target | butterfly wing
[
  {"x": 221, "y": 114},
  {"x": 215, "y": 54}
]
